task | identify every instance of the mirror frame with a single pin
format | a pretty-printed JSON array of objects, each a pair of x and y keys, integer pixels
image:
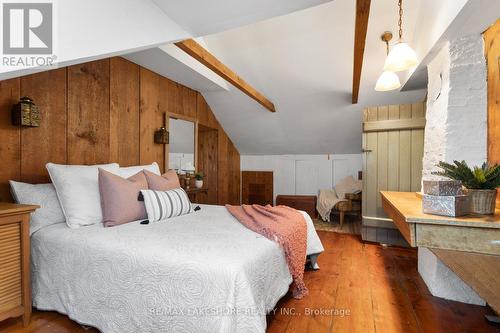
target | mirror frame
[{"x": 168, "y": 116}]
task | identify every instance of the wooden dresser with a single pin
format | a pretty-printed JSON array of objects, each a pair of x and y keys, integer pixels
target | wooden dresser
[
  {"x": 306, "y": 203},
  {"x": 15, "y": 284}
]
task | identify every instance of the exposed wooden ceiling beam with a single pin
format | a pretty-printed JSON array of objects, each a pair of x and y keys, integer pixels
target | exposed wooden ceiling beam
[
  {"x": 362, "y": 14},
  {"x": 198, "y": 52}
]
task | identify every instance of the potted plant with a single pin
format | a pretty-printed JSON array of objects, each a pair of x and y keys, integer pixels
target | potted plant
[
  {"x": 481, "y": 183},
  {"x": 198, "y": 179}
]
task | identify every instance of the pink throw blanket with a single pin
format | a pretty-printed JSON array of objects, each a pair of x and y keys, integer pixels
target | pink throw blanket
[{"x": 284, "y": 225}]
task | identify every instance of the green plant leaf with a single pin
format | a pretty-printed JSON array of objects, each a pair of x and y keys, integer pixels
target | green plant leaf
[{"x": 484, "y": 177}]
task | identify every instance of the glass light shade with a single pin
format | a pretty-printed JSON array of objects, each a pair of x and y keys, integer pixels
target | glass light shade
[
  {"x": 387, "y": 81},
  {"x": 400, "y": 58}
]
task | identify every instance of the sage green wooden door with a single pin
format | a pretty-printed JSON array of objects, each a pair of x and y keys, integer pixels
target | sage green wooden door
[{"x": 393, "y": 144}]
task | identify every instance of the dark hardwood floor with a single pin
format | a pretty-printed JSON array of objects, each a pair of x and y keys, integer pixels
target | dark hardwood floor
[{"x": 359, "y": 288}]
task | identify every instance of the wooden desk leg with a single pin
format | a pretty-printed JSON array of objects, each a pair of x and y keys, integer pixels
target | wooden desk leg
[{"x": 341, "y": 218}]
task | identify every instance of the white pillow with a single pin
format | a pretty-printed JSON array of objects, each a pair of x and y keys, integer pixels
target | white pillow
[
  {"x": 127, "y": 172},
  {"x": 161, "y": 205},
  {"x": 77, "y": 188},
  {"x": 45, "y": 196},
  {"x": 348, "y": 185}
]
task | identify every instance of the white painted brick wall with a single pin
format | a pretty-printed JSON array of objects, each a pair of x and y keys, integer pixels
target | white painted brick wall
[
  {"x": 456, "y": 129},
  {"x": 457, "y": 105},
  {"x": 436, "y": 113}
]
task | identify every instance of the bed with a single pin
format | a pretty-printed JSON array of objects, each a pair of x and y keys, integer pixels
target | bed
[{"x": 201, "y": 272}]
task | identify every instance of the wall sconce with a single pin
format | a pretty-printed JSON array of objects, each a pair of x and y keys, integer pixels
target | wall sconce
[
  {"x": 161, "y": 136},
  {"x": 26, "y": 113}
]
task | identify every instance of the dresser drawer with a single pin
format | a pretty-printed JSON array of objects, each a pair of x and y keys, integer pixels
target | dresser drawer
[{"x": 10, "y": 266}]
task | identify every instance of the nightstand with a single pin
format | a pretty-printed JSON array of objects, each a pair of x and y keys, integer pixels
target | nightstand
[
  {"x": 15, "y": 283},
  {"x": 193, "y": 192}
]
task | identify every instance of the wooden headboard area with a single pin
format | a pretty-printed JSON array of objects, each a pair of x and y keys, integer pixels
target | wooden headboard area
[{"x": 100, "y": 112}]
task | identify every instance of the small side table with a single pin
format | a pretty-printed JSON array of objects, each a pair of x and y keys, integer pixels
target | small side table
[
  {"x": 15, "y": 280},
  {"x": 193, "y": 192}
]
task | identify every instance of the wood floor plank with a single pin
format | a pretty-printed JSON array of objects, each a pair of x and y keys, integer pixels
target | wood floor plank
[
  {"x": 353, "y": 291},
  {"x": 392, "y": 308},
  {"x": 323, "y": 286},
  {"x": 433, "y": 313},
  {"x": 471, "y": 317}
]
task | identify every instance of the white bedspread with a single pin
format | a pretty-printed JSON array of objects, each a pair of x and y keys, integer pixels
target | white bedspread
[{"x": 202, "y": 272}]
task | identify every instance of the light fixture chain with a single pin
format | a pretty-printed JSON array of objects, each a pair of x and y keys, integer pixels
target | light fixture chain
[{"x": 400, "y": 22}]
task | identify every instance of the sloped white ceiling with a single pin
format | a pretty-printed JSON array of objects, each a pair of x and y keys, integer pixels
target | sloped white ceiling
[
  {"x": 203, "y": 17},
  {"x": 303, "y": 63},
  {"x": 170, "y": 61},
  {"x": 452, "y": 19}
]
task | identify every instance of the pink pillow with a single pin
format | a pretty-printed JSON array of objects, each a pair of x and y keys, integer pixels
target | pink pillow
[
  {"x": 167, "y": 181},
  {"x": 119, "y": 198}
]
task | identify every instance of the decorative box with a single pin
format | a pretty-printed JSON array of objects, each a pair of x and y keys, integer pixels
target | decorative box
[
  {"x": 443, "y": 187},
  {"x": 446, "y": 205}
]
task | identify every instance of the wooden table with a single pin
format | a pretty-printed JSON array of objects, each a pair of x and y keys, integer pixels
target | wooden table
[
  {"x": 480, "y": 271},
  {"x": 480, "y": 233},
  {"x": 192, "y": 193},
  {"x": 467, "y": 245}
]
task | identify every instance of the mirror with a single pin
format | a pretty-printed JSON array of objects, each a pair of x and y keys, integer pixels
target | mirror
[{"x": 181, "y": 153}]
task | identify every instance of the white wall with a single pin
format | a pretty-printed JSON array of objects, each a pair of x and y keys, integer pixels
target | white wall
[
  {"x": 456, "y": 115},
  {"x": 304, "y": 174}
]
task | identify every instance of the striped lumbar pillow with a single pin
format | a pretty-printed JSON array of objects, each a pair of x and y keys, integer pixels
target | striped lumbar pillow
[{"x": 161, "y": 205}]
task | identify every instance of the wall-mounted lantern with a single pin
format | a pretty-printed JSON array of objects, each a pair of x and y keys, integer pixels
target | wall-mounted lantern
[
  {"x": 161, "y": 136},
  {"x": 26, "y": 113}
]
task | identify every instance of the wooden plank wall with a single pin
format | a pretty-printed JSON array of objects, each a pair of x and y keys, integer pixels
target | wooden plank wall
[
  {"x": 257, "y": 187},
  {"x": 492, "y": 49},
  {"x": 394, "y": 162},
  {"x": 207, "y": 161},
  {"x": 229, "y": 175},
  {"x": 100, "y": 112}
]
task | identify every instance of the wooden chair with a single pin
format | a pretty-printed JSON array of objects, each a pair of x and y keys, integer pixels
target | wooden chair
[{"x": 353, "y": 204}]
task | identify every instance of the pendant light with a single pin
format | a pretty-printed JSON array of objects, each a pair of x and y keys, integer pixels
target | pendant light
[
  {"x": 401, "y": 57},
  {"x": 388, "y": 80}
]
